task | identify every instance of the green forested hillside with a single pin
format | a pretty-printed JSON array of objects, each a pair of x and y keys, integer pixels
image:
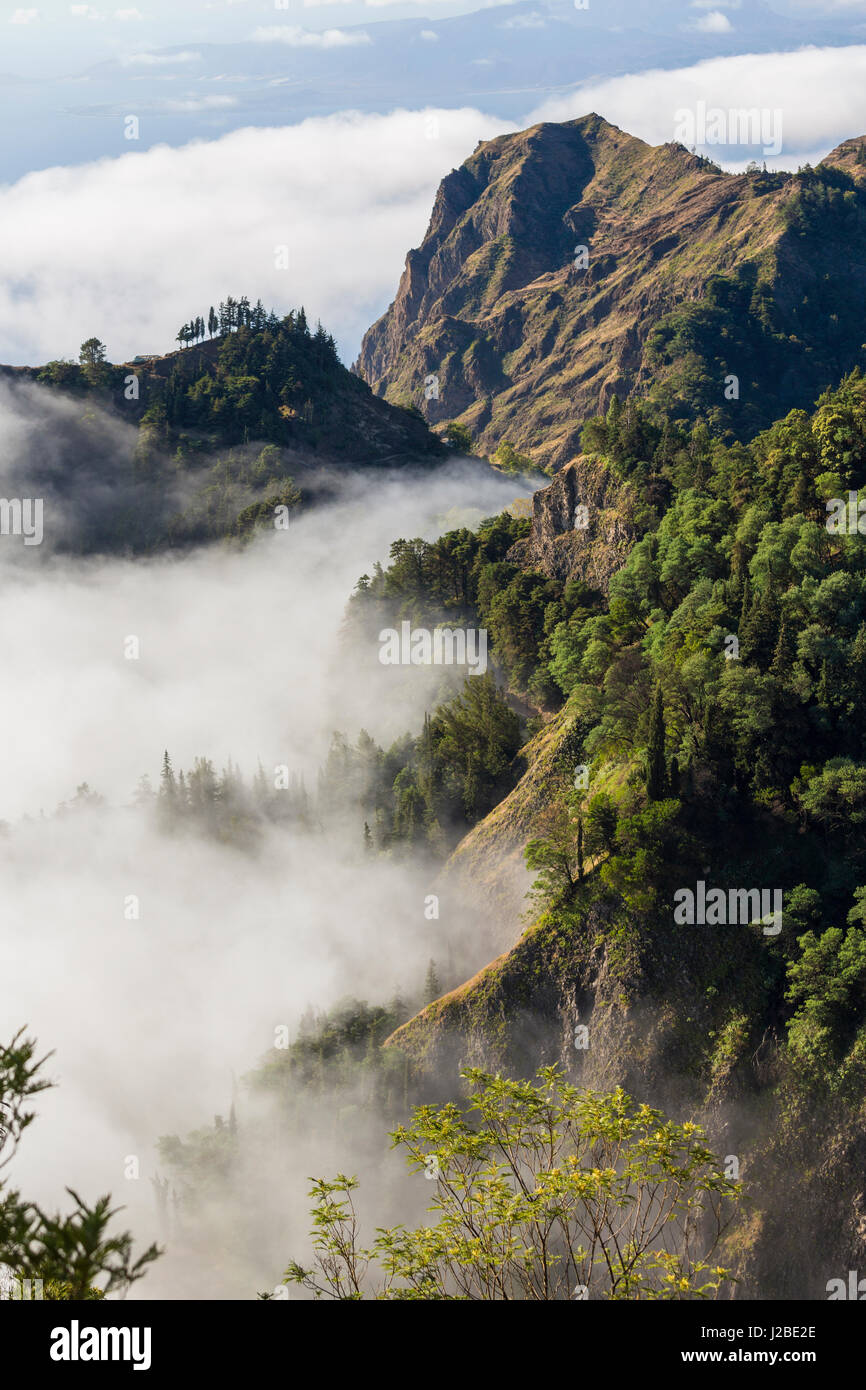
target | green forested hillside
[
  {"x": 712, "y": 729},
  {"x": 205, "y": 443},
  {"x": 702, "y": 723}
]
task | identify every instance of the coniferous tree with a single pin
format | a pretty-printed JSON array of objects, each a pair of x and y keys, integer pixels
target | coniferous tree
[
  {"x": 758, "y": 642},
  {"x": 656, "y": 766},
  {"x": 398, "y": 1009},
  {"x": 785, "y": 653},
  {"x": 432, "y": 987},
  {"x": 745, "y": 607},
  {"x": 144, "y": 795},
  {"x": 167, "y": 795},
  {"x": 855, "y": 679}
]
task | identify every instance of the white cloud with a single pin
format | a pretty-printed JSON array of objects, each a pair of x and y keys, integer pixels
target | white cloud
[
  {"x": 296, "y": 37},
  {"x": 151, "y": 234},
  {"x": 382, "y": 4},
  {"x": 348, "y": 194},
  {"x": 23, "y": 16},
  {"x": 152, "y": 60},
  {"x": 241, "y": 658},
  {"x": 84, "y": 12},
  {"x": 714, "y": 23},
  {"x": 525, "y": 21},
  {"x": 125, "y": 15},
  {"x": 429, "y": 36},
  {"x": 192, "y": 103},
  {"x": 821, "y": 93}
]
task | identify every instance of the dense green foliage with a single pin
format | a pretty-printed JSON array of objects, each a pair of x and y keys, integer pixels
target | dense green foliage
[
  {"x": 208, "y": 443},
  {"x": 746, "y": 324},
  {"x": 428, "y": 790},
  {"x": 717, "y": 699},
  {"x": 465, "y": 577},
  {"x": 728, "y": 677}
]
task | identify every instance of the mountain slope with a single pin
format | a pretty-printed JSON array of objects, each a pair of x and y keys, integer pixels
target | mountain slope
[
  {"x": 716, "y": 713},
  {"x": 203, "y": 443},
  {"x": 693, "y": 275}
]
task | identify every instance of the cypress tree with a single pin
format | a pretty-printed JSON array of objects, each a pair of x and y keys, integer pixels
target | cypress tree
[
  {"x": 825, "y": 693},
  {"x": 675, "y": 778},
  {"x": 759, "y": 633},
  {"x": 655, "y": 758},
  {"x": 855, "y": 683},
  {"x": 580, "y": 849},
  {"x": 785, "y": 653},
  {"x": 744, "y": 624}
]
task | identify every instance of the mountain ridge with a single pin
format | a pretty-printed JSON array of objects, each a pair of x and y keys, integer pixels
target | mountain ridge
[{"x": 693, "y": 275}]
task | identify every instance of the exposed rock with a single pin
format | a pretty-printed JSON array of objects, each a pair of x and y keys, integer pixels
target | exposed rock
[
  {"x": 527, "y": 344},
  {"x": 566, "y": 542}
]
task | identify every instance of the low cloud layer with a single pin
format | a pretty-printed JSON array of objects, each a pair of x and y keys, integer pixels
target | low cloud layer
[
  {"x": 154, "y": 1018},
  {"x": 128, "y": 249}
]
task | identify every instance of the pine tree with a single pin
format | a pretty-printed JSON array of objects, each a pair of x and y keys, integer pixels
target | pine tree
[
  {"x": 825, "y": 694},
  {"x": 745, "y": 606},
  {"x": 144, "y": 795},
  {"x": 759, "y": 635},
  {"x": 786, "y": 651},
  {"x": 167, "y": 795},
  {"x": 432, "y": 988},
  {"x": 398, "y": 1009},
  {"x": 855, "y": 674},
  {"x": 655, "y": 757}
]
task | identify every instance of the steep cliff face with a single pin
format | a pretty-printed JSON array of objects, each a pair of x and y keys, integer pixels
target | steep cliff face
[
  {"x": 583, "y": 525},
  {"x": 487, "y": 872},
  {"x": 527, "y": 336},
  {"x": 654, "y": 1027}
]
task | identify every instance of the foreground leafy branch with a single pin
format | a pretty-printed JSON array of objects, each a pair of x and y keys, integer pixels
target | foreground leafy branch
[
  {"x": 546, "y": 1193},
  {"x": 73, "y": 1256}
]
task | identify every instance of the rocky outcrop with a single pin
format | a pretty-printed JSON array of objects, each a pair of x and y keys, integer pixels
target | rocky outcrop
[{"x": 582, "y": 525}]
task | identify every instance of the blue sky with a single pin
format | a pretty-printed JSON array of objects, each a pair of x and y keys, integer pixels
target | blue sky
[
  {"x": 69, "y": 73},
  {"x": 326, "y": 127}
]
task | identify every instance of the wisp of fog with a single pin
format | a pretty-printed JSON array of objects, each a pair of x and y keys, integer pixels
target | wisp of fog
[{"x": 152, "y": 1019}]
